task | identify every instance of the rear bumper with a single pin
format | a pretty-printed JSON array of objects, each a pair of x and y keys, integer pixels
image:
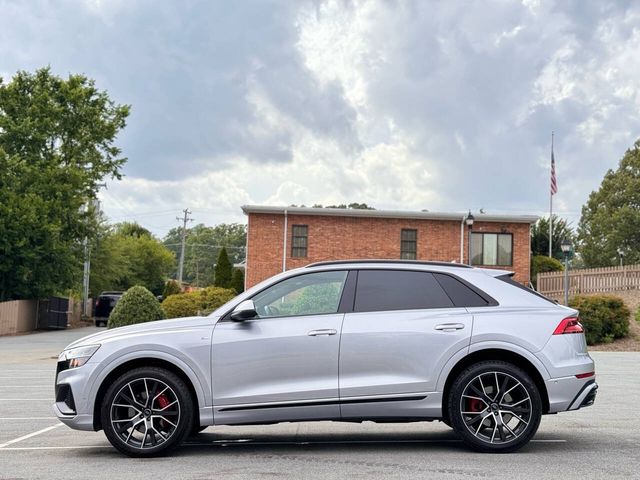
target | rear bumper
[
  {"x": 586, "y": 397},
  {"x": 570, "y": 393}
]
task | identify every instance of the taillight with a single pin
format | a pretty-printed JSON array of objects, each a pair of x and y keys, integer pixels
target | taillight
[
  {"x": 585, "y": 375},
  {"x": 569, "y": 325}
]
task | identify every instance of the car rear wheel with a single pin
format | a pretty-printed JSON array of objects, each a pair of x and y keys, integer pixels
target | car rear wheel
[
  {"x": 146, "y": 412},
  {"x": 494, "y": 407}
]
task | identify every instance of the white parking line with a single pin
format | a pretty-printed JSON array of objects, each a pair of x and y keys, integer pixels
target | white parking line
[
  {"x": 33, "y": 434},
  {"x": 24, "y": 386},
  {"x": 23, "y": 399},
  {"x": 27, "y": 418},
  {"x": 55, "y": 448}
]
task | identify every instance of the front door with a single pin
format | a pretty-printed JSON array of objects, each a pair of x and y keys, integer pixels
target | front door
[{"x": 283, "y": 364}]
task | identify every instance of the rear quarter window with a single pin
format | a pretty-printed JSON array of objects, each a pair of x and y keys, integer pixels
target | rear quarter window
[{"x": 460, "y": 294}]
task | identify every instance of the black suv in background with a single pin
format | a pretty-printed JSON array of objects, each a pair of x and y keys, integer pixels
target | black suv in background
[{"x": 104, "y": 304}]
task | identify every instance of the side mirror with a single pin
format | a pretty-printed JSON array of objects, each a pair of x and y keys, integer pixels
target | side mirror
[{"x": 244, "y": 311}]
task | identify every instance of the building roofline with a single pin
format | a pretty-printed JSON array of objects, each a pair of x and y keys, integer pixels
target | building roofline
[{"x": 406, "y": 214}]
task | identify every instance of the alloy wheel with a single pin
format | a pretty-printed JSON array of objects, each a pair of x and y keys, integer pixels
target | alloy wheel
[
  {"x": 495, "y": 407},
  {"x": 145, "y": 413}
]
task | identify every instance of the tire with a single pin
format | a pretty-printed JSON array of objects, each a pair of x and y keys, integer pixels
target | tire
[
  {"x": 147, "y": 412},
  {"x": 494, "y": 407}
]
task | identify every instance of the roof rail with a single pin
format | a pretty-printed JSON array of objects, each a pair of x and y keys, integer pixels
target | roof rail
[{"x": 408, "y": 262}]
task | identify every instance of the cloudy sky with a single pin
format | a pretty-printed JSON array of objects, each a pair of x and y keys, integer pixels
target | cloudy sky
[{"x": 445, "y": 106}]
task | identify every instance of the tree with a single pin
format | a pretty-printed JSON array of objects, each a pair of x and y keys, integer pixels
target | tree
[
  {"x": 203, "y": 246},
  {"x": 353, "y": 206},
  {"x": 540, "y": 236},
  {"x": 128, "y": 255},
  {"x": 611, "y": 217},
  {"x": 56, "y": 145},
  {"x": 224, "y": 270},
  {"x": 237, "y": 281}
]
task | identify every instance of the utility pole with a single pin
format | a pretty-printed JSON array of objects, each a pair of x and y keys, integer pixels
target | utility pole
[
  {"x": 184, "y": 221},
  {"x": 86, "y": 309}
]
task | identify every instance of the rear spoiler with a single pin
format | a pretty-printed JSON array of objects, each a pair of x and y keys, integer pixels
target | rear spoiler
[{"x": 492, "y": 272}]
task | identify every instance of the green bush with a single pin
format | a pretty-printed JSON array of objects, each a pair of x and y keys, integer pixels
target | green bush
[
  {"x": 541, "y": 264},
  {"x": 171, "y": 288},
  {"x": 638, "y": 315},
  {"x": 237, "y": 281},
  {"x": 604, "y": 317},
  {"x": 201, "y": 302},
  {"x": 137, "y": 305}
]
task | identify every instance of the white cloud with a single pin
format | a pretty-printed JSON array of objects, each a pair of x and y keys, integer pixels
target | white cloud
[{"x": 407, "y": 104}]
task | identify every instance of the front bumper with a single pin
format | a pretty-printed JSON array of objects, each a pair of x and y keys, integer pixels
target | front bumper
[{"x": 72, "y": 405}]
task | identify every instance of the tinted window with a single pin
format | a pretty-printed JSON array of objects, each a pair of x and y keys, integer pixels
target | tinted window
[
  {"x": 511, "y": 281},
  {"x": 310, "y": 294},
  {"x": 398, "y": 290},
  {"x": 458, "y": 292}
]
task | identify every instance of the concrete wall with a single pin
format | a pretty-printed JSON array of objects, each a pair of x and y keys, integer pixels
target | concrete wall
[{"x": 18, "y": 316}]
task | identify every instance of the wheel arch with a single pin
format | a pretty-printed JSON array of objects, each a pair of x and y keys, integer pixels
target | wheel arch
[
  {"x": 136, "y": 363},
  {"x": 496, "y": 354}
]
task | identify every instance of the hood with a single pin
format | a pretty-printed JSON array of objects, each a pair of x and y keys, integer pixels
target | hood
[{"x": 172, "y": 324}]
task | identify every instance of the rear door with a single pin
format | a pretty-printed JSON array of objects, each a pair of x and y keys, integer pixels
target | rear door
[{"x": 403, "y": 328}]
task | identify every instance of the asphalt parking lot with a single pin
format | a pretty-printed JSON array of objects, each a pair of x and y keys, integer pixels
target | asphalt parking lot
[{"x": 602, "y": 441}]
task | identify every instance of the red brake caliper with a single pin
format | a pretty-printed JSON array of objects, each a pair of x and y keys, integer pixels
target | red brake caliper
[
  {"x": 475, "y": 405},
  {"x": 163, "y": 401}
]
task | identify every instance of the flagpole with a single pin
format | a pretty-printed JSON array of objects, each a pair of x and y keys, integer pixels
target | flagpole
[{"x": 551, "y": 207}]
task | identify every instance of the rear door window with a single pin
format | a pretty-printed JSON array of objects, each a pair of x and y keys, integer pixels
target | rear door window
[{"x": 380, "y": 290}]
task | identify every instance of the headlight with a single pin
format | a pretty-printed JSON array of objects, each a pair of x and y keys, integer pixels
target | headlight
[{"x": 78, "y": 356}]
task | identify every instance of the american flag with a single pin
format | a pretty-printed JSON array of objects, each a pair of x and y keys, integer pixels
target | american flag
[{"x": 554, "y": 184}]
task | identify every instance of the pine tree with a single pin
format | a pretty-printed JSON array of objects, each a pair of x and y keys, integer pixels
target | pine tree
[
  {"x": 237, "y": 281},
  {"x": 223, "y": 271}
]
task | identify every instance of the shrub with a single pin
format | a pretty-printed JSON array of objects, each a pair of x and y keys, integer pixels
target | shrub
[
  {"x": 638, "y": 315},
  {"x": 237, "y": 281},
  {"x": 201, "y": 302},
  {"x": 137, "y": 305},
  {"x": 541, "y": 264},
  {"x": 604, "y": 317},
  {"x": 223, "y": 270},
  {"x": 171, "y": 288}
]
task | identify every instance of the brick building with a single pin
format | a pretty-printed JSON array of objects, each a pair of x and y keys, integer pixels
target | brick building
[{"x": 316, "y": 234}]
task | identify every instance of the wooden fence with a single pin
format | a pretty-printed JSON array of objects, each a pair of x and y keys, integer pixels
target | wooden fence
[
  {"x": 18, "y": 316},
  {"x": 590, "y": 280}
]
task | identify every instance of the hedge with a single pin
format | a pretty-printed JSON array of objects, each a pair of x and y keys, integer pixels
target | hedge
[
  {"x": 171, "y": 288},
  {"x": 201, "y": 302},
  {"x": 604, "y": 317},
  {"x": 541, "y": 264},
  {"x": 137, "y": 305}
]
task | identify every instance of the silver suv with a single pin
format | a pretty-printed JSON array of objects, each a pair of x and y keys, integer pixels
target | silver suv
[{"x": 385, "y": 341}]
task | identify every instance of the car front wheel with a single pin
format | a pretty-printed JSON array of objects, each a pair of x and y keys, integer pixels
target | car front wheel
[
  {"x": 147, "y": 412},
  {"x": 494, "y": 407}
]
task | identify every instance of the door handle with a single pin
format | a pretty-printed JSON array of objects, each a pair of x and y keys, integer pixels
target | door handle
[
  {"x": 449, "y": 327},
  {"x": 317, "y": 333}
]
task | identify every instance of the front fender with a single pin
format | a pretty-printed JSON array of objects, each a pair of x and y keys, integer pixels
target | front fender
[{"x": 196, "y": 376}]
